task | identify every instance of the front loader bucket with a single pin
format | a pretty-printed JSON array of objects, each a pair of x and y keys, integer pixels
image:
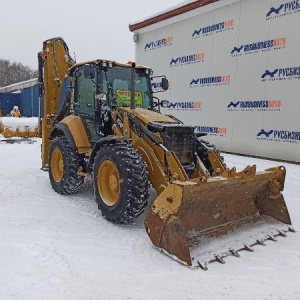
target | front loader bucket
[{"x": 197, "y": 223}]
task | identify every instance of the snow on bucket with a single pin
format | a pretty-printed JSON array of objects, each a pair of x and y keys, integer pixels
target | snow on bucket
[{"x": 19, "y": 127}]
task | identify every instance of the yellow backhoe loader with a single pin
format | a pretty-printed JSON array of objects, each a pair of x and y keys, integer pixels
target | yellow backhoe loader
[{"x": 102, "y": 121}]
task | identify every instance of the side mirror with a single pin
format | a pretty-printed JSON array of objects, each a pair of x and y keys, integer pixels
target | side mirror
[
  {"x": 165, "y": 83},
  {"x": 164, "y": 103}
]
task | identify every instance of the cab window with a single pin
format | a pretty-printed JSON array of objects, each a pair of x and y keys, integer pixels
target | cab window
[{"x": 84, "y": 93}]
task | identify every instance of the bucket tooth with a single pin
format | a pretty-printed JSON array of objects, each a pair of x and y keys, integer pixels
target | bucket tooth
[
  {"x": 281, "y": 233},
  {"x": 219, "y": 259},
  {"x": 202, "y": 266},
  {"x": 248, "y": 248},
  {"x": 234, "y": 253},
  {"x": 272, "y": 238},
  {"x": 260, "y": 242},
  {"x": 291, "y": 229}
]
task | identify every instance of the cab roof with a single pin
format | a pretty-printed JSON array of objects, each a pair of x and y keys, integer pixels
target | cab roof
[{"x": 100, "y": 61}]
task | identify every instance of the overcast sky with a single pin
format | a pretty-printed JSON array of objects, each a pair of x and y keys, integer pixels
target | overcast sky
[{"x": 91, "y": 28}]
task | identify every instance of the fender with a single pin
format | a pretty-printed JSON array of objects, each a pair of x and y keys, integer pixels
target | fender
[
  {"x": 103, "y": 141},
  {"x": 62, "y": 129},
  {"x": 72, "y": 127}
]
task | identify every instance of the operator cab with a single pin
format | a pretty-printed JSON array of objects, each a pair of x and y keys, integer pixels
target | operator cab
[{"x": 100, "y": 86}]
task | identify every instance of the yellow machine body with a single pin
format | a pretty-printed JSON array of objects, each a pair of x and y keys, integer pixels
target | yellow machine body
[{"x": 203, "y": 211}]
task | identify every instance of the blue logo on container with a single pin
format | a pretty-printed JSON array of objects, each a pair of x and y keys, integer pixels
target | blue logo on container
[
  {"x": 274, "y": 10},
  {"x": 282, "y": 136},
  {"x": 233, "y": 105},
  {"x": 187, "y": 59},
  {"x": 208, "y": 81},
  {"x": 276, "y": 44},
  {"x": 270, "y": 74},
  {"x": 255, "y": 105},
  {"x": 265, "y": 133},
  {"x": 215, "y": 131},
  {"x": 159, "y": 43},
  {"x": 197, "y": 105},
  {"x": 237, "y": 50},
  {"x": 284, "y": 9},
  {"x": 281, "y": 74},
  {"x": 215, "y": 28}
]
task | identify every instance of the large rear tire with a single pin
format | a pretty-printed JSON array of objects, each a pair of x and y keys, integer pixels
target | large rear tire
[
  {"x": 64, "y": 162},
  {"x": 120, "y": 182}
]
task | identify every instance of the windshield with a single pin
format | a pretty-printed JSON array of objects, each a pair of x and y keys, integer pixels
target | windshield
[{"x": 117, "y": 83}]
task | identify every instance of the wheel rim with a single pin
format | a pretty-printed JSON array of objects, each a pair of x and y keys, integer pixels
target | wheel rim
[
  {"x": 57, "y": 165},
  {"x": 108, "y": 181}
]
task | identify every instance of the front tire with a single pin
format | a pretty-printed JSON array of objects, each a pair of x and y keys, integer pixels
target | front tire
[
  {"x": 64, "y": 162},
  {"x": 120, "y": 182}
]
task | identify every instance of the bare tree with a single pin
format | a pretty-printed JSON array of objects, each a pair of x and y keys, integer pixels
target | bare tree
[{"x": 14, "y": 72}]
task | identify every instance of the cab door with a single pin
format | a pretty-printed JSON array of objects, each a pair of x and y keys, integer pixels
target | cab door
[{"x": 84, "y": 99}]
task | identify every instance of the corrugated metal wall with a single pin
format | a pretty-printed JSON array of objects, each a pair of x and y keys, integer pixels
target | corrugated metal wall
[
  {"x": 8, "y": 101},
  {"x": 29, "y": 105},
  {"x": 234, "y": 73},
  {"x": 24, "y": 95}
]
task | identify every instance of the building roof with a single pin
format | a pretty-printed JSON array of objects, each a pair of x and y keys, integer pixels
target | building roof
[
  {"x": 15, "y": 87},
  {"x": 173, "y": 12}
]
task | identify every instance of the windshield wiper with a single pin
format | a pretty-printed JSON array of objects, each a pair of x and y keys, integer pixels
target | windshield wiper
[{"x": 116, "y": 94}]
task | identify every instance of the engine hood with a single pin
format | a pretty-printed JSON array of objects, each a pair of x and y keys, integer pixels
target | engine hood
[{"x": 146, "y": 116}]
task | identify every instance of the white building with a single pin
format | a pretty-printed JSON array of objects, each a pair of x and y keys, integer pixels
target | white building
[{"x": 234, "y": 71}]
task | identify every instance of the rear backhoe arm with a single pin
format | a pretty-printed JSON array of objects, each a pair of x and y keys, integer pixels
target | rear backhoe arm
[{"x": 54, "y": 61}]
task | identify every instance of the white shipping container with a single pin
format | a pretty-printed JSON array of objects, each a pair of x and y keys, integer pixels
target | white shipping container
[{"x": 234, "y": 71}]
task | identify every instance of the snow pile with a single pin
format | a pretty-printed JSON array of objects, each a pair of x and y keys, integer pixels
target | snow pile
[{"x": 22, "y": 124}]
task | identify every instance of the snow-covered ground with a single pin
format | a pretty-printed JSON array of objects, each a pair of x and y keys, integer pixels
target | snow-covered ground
[{"x": 60, "y": 247}]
